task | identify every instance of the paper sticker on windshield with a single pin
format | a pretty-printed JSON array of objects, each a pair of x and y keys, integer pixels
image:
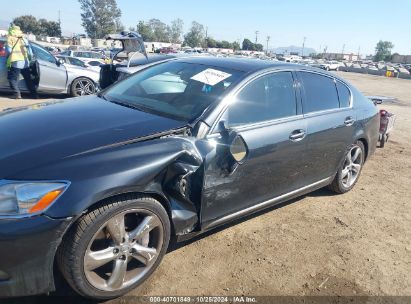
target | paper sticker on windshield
[{"x": 211, "y": 76}]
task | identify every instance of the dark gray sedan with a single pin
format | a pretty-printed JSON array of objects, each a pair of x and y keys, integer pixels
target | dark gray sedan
[{"x": 100, "y": 184}]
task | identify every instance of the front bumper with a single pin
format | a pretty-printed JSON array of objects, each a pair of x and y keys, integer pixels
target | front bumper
[{"x": 27, "y": 250}]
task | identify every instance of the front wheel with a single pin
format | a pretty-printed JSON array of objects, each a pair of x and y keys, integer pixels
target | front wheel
[
  {"x": 349, "y": 173},
  {"x": 83, "y": 86},
  {"x": 113, "y": 249}
]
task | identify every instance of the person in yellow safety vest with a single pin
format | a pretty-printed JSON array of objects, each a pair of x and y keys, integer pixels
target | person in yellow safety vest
[{"x": 18, "y": 61}]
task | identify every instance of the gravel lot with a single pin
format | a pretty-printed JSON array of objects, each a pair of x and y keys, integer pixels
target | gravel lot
[{"x": 322, "y": 244}]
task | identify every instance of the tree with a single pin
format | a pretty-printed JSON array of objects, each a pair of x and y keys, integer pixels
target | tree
[
  {"x": 100, "y": 17},
  {"x": 176, "y": 30},
  {"x": 226, "y": 45},
  {"x": 195, "y": 37},
  {"x": 28, "y": 24},
  {"x": 49, "y": 28},
  {"x": 248, "y": 45},
  {"x": 211, "y": 43},
  {"x": 259, "y": 47},
  {"x": 236, "y": 46},
  {"x": 160, "y": 30},
  {"x": 145, "y": 31},
  {"x": 383, "y": 50}
]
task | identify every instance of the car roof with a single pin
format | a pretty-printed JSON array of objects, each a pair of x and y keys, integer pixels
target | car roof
[
  {"x": 247, "y": 65},
  {"x": 240, "y": 64},
  {"x": 151, "y": 58}
]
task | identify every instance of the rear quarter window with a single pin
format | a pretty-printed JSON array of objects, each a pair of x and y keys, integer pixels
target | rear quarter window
[
  {"x": 344, "y": 95},
  {"x": 320, "y": 92}
]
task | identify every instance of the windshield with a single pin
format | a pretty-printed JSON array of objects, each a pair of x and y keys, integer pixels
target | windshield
[{"x": 174, "y": 89}]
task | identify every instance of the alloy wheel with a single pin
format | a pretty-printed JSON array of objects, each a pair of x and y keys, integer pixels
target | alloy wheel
[
  {"x": 123, "y": 250},
  {"x": 352, "y": 166},
  {"x": 84, "y": 87}
]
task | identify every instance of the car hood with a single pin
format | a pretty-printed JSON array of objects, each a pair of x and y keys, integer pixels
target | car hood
[{"x": 46, "y": 133}]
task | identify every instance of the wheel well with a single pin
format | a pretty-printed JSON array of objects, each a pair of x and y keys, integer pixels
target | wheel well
[
  {"x": 162, "y": 200},
  {"x": 365, "y": 143}
]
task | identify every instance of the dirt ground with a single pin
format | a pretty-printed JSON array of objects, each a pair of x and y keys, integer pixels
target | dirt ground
[{"x": 322, "y": 244}]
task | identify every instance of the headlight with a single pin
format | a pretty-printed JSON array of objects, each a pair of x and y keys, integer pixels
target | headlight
[{"x": 18, "y": 198}]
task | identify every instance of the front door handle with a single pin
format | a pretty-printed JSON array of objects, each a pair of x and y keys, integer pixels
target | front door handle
[
  {"x": 349, "y": 121},
  {"x": 298, "y": 135}
]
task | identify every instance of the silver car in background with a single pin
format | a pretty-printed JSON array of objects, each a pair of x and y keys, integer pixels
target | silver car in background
[{"x": 55, "y": 76}]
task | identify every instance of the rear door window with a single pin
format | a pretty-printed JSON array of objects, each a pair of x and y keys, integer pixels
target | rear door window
[{"x": 320, "y": 92}]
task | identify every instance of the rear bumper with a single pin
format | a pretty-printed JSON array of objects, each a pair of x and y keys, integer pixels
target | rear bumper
[{"x": 27, "y": 250}]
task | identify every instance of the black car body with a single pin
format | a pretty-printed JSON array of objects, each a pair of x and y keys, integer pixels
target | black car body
[{"x": 226, "y": 161}]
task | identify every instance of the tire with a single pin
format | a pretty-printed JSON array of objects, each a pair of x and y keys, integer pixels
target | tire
[
  {"x": 100, "y": 262},
  {"x": 82, "y": 86},
  {"x": 344, "y": 182}
]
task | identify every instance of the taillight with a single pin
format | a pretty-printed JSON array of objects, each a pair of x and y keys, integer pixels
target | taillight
[
  {"x": 383, "y": 112},
  {"x": 2, "y": 50}
]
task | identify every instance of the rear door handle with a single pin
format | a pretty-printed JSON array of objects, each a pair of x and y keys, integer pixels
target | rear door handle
[
  {"x": 349, "y": 121},
  {"x": 298, "y": 135}
]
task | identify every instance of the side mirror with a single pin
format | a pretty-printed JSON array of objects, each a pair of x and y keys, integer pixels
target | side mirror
[
  {"x": 59, "y": 61},
  {"x": 377, "y": 101},
  {"x": 238, "y": 149},
  {"x": 237, "y": 146}
]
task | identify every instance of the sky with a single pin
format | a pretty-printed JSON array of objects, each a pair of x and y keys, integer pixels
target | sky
[{"x": 325, "y": 23}]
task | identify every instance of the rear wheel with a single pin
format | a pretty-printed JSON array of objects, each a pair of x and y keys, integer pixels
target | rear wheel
[
  {"x": 349, "y": 173},
  {"x": 82, "y": 86},
  {"x": 114, "y": 248}
]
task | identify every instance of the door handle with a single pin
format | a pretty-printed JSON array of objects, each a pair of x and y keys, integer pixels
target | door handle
[
  {"x": 298, "y": 135},
  {"x": 349, "y": 121}
]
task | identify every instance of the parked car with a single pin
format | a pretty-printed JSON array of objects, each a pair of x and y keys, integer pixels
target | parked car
[
  {"x": 403, "y": 70},
  {"x": 55, "y": 77},
  {"x": 85, "y": 56},
  {"x": 92, "y": 65},
  {"x": 174, "y": 150},
  {"x": 328, "y": 65}
]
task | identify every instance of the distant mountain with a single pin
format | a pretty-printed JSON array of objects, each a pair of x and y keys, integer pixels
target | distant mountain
[
  {"x": 4, "y": 24},
  {"x": 293, "y": 49}
]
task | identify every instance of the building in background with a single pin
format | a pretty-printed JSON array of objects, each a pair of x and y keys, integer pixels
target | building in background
[
  {"x": 397, "y": 58},
  {"x": 340, "y": 56},
  {"x": 151, "y": 47}
]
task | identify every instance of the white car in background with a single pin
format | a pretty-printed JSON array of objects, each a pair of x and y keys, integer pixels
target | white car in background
[
  {"x": 85, "y": 56},
  {"x": 328, "y": 65},
  {"x": 92, "y": 65}
]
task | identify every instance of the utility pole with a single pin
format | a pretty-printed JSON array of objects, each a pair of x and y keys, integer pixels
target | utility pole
[
  {"x": 358, "y": 55},
  {"x": 302, "y": 53},
  {"x": 268, "y": 40},
  {"x": 206, "y": 38},
  {"x": 342, "y": 52},
  {"x": 256, "y": 36}
]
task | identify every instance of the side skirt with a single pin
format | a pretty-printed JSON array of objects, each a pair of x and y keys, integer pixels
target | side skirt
[{"x": 261, "y": 206}]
